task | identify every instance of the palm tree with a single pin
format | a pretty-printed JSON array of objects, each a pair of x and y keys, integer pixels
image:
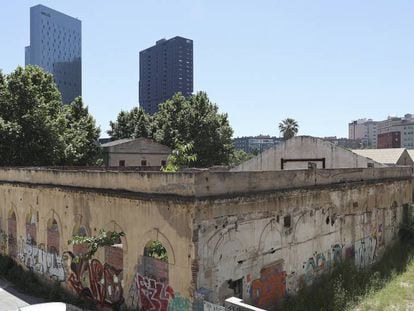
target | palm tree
[{"x": 289, "y": 127}]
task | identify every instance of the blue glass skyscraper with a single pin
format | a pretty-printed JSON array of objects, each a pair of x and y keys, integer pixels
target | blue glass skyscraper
[
  {"x": 55, "y": 45},
  {"x": 165, "y": 69}
]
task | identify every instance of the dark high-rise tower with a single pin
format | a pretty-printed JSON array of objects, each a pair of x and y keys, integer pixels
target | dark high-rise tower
[
  {"x": 165, "y": 69},
  {"x": 55, "y": 45}
]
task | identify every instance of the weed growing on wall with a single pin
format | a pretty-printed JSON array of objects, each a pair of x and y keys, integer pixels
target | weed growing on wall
[
  {"x": 347, "y": 285},
  {"x": 93, "y": 243}
]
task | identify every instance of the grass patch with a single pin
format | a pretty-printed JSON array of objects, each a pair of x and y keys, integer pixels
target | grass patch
[{"x": 398, "y": 294}]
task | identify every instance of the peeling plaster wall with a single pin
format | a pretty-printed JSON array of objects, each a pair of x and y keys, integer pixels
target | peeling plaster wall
[
  {"x": 269, "y": 244},
  {"x": 142, "y": 221},
  {"x": 256, "y": 235}
]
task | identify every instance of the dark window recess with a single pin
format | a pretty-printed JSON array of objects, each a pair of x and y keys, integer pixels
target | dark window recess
[
  {"x": 286, "y": 221},
  {"x": 163, "y": 163},
  {"x": 237, "y": 287},
  {"x": 121, "y": 162},
  {"x": 143, "y": 162}
]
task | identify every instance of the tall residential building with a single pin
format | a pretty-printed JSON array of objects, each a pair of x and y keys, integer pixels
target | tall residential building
[
  {"x": 165, "y": 69},
  {"x": 365, "y": 131},
  {"x": 55, "y": 45}
]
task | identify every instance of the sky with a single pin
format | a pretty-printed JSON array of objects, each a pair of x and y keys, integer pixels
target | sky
[{"x": 323, "y": 63}]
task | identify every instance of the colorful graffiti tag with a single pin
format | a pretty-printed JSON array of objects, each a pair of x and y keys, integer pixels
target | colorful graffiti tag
[
  {"x": 270, "y": 288},
  {"x": 95, "y": 281},
  {"x": 321, "y": 262},
  {"x": 153, "y": 295},
  {"x": 179, "y": 303}
]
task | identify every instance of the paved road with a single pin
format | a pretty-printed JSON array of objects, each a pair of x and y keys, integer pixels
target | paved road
[{"x": 11, "y": 299}]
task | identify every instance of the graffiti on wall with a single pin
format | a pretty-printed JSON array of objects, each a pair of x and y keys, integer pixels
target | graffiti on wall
[
  {"x": 321, "y": 263},
  {"x": 95, "y": 281},
  {"x": 153, "y": 295},
  {"x": 270, "y": 288},
  {"x": 37, "y": 259},
  {"x": 208, "y": 306},
  {"x": 179, "y": 303},
  {"x": 365, "y": 251}
]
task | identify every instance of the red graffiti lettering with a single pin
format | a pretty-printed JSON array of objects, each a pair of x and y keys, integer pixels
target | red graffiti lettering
[
  {"x": 97, "y": 282},
  {"x": 154, "y": 296}
]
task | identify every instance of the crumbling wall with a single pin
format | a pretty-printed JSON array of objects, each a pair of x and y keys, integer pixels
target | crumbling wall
[
  {"x": 256, "y": 235},
  {"x": 39, "y": 220},
  {"x": 261, "y": 248}
]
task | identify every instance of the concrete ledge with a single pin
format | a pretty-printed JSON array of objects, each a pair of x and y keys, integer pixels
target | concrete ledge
[{"x": 202, "y": 183}]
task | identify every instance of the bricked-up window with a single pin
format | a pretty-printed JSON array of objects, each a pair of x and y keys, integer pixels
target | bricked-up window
[
  {"x": 12, "y": 235},
  {"x": 155, "y": 262},
  {"x": 79, "y": 249},
  {"x": 114, "y": 255},
  {"x": 31, "y": 228},
  {"x": 53, "y": 237}
]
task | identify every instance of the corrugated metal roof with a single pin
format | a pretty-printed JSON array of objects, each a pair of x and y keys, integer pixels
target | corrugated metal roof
[{"x": 386, "y": 156}]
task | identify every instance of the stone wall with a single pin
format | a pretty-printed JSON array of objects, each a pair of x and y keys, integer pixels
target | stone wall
[{"x": 248, "y": 234}]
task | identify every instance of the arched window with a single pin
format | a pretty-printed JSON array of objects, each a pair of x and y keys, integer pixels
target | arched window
[
  {"x": 53, "y": 237},
  {"x": 12, "y": 235},
  {"x": 31, "y": 220}
]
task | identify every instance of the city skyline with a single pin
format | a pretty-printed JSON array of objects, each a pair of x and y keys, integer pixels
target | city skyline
[{"x": 320, "y": 63}]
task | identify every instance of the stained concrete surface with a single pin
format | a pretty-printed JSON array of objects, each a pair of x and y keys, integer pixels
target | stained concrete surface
[{"x": 11, "y": 299}]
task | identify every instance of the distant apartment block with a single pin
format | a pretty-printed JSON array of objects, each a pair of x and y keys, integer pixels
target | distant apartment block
[
  {"x": 165, "y": 69},
  {"x": 402, "y": 125},
  {"x": 258, "y": 143},
  {"x": 55, "y": 45},
  {"x": 345, "y": 142},
  {"x": 364, "y": 130},
  {"x": 394, "y": 132}
]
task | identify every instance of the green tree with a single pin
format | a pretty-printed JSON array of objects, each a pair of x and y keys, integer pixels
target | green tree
[
  {"x": 197, "y": 121},
  {"x": 131, "y": 124},
  {"x": 36, "y": 128},
  {"x": 289, "y": 128},
  {"x": 181, "y": 156},
  {"x": 80, "y": 136},
  {"x": 31, "y": 123}
]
